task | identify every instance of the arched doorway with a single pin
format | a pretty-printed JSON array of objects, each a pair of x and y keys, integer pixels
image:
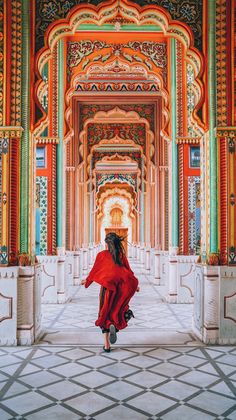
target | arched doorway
[{"x": 122, "y": 114}]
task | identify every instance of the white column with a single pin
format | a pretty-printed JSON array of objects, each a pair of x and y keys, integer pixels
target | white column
[
  {"x": 211, "y": 304},
  {"x": 130, "y": 251},
  {"x": 142, "y": 250},
  {"x": 85, "y": 261},
  {"x": 157, "y": 270},
  {"x": 147, "y": 259},
  {"x": 172, "y": 294},
  {"x": 76, "y": 275},
  {"x": 138, "y": 253},
  {"x": 90, "y": 256},
  {"x": 94, "y": 252},
  {"x": 61, "y": 281},
  {"x": 25, "y": 301},
  {"x": 81, "y": 262}
]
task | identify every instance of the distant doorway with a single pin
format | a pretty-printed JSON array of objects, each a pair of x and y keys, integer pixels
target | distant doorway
[{"x": 119, "y": 231}]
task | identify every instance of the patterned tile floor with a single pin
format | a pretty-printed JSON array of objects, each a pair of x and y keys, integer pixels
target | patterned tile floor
[
  {"x": 133, "y": 382},
  {"x": 71, "y": 382}
]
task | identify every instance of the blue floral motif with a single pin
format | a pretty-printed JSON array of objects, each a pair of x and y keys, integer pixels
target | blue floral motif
[
  {"x": 67, "y": 6},
  {"x": 49, "y": 10},
  {"x": 167, "y": 4},
  {"x": 188, "y": 12}
]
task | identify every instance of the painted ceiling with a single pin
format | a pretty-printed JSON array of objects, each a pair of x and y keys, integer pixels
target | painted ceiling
[{"x": 189, "y": 12}]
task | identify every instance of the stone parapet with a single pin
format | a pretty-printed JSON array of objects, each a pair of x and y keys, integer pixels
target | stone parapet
[
  {"x": 28, "y": 304},
  {"x": 185, "y": 278},
  {"x": 8, "y": 306},
  {"x": 49, "y": 265},
  {"x": 214, "y": 319}
]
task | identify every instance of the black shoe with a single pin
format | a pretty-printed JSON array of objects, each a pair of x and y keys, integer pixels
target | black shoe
[
  {"x": 107, "y": 350},
  {"x": 113, "y": 336}
]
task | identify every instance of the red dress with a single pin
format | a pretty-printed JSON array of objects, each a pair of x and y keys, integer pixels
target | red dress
[{"x": 120, "y": 284}]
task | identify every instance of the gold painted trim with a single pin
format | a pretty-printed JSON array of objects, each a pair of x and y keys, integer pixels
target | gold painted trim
[
  {"x": 7, "y": 132},
  {"x": 226, "y": 132},
  {"x": 188, "y": 140},
  {"x": 47, "y": 140}
]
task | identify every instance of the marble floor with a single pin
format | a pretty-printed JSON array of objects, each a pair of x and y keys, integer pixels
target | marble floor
[
  {"x": 156, "y": 322},
  {"x": 158, "y": 370}
]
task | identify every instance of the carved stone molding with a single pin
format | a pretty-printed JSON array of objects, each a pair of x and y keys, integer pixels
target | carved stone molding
[
  {"x": 229, "y": 307},
  {"x": 6, "y": 307}
]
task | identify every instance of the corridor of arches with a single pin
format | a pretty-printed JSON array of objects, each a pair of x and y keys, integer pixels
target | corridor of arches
[{"x": 117, "y": 129}]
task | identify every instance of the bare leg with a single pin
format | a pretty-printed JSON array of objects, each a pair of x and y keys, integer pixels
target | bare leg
[{"x": 106, "y": 340}]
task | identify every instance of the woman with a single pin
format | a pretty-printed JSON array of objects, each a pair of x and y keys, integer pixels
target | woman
[{"x": 118, "y": 284}]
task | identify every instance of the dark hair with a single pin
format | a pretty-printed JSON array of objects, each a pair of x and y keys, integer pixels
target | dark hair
[{"x": 115, "y": 247}]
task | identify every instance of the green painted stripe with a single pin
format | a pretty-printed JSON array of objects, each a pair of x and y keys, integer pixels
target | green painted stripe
[
  {"x": 212, "y": 124},
  {"x": 125, "y": 27},
  {"x": 61, "y": 139},
  {"x": 25, "y": 121},
  {"x": 175, "y": 204}
]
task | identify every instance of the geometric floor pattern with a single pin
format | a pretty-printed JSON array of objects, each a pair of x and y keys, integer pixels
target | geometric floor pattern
[
  {"x": 156, "y": 370},
  {"x": 70, "y": 382}
]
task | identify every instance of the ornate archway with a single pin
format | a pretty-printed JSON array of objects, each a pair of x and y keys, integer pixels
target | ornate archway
[{"x": 146, "y": 71}]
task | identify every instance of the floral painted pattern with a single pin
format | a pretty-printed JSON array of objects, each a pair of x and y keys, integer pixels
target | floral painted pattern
[
  {"x": 156, "y": 51},
  {"x": 98, "y": 132},
  {"x": 194, "y": 215},
  {"x": 189, "y": 12},
  {"x": 102, "y": 179},
  {"x": 146, "y": 111}
]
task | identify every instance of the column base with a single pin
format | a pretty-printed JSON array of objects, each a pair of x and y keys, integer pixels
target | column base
[
  {"x": 171, "y": 298},
  {"x": 25, "y": 335}
]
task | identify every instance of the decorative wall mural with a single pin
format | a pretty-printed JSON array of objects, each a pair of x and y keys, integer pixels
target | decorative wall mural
[
  {"x": 194, "y": 214},
  {"x": 42, "y": 199},
  {"x": 156, "y": 52},
  {"x": 146, "y": 111},
  {"x": 190, "y": 98},
  {"x": 188, "y": 12},
  {"x": 1, "y": 62},
  {"x": 76, "y": 51},
  {"x": 1, "y": 190},
  {"x": 98, "y": 132},
  {"x": 130, "y": 178}
]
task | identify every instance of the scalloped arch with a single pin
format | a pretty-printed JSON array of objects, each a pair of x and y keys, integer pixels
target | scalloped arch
[{"x": 140, "y": 16}]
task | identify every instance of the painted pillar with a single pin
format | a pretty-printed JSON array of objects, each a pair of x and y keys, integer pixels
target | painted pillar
[
  {"x": 212, "y": 125},
  {"x": 173, "y": 249},
  {"x": 91, "y": 204},
  {"x": 142, "y": 204},
  {"x": 4, "y": 167},
  {"x": 175, "y": 204},
  {"x": 60, "y": 145},
  {"x": 25, "y": 122}
]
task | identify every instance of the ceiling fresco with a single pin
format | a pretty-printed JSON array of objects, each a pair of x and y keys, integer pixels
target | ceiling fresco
[{"x": 189, "y": 12}]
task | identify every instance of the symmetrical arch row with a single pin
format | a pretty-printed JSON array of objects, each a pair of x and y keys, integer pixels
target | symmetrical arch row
[{"x": 53, "y": 123}]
